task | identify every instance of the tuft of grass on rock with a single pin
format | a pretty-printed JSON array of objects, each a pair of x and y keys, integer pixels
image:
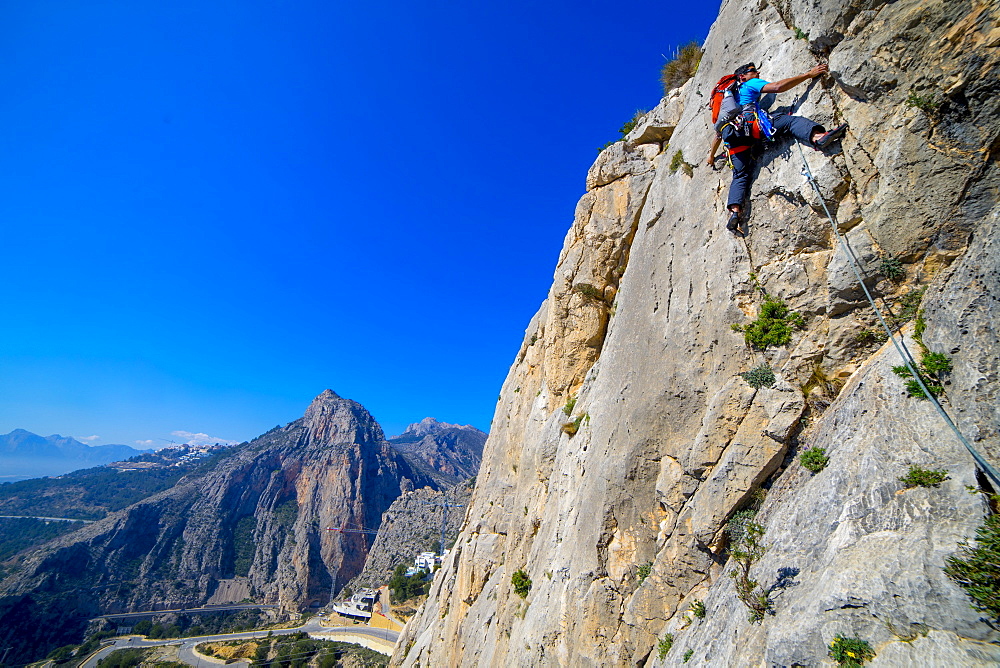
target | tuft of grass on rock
[
  {"x": 521, "y": 582},
  {"x": 676, "y": 72},
  {"x": 677, "y": 161},
  {"x": 892, "y": 269},
  {"x": 666, "y": 642},
  {"x": 927, "y": 103}
]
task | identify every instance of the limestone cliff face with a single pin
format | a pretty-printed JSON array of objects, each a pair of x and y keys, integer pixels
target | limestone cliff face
[
  {"x": 253, "y": 526},
  {"x": 634, "y": 345}
]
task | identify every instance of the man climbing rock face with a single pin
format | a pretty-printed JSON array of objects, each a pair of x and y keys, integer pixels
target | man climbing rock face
[{"x": 744, "y": 135}]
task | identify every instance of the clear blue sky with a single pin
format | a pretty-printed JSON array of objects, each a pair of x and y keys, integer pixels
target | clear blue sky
[{"x": 212, "y": 211}]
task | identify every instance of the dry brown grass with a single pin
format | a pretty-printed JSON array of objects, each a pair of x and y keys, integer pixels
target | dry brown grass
[{"x": 681, "y": 68}]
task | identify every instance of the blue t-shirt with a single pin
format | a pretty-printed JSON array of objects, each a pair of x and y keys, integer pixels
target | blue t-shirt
[{"x": 750, "y": 91}]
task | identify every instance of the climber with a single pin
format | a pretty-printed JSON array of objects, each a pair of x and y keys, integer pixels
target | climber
[{"x": 744, "y": 135}]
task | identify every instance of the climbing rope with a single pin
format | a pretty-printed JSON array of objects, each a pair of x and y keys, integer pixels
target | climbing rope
[{"x": 900, "y": 345}]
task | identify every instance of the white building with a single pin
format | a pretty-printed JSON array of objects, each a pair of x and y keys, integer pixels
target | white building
[{"x": 426, "y": 561}]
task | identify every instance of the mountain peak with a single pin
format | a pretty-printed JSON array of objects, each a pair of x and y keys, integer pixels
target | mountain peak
[
  {"x": 332, "y": 419},
  {"x": 429, "y": 426}
]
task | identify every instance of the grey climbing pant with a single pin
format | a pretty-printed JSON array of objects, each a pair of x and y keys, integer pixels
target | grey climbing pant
[{"x": 800, "y": 127}]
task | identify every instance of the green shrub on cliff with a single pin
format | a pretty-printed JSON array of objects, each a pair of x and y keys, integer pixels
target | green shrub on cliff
[
  {"x": 850, "y": 652},
  {"x": 760, "y": 376},
  {"x": 666, "y": 642},
  {"x": 746, "y": 553},
  {"x": 920, "y": 477},
  {"x": 521, "y": 582},
  {"x": 814, "y": 459},
  {"x": 976, "y": 567},
  {"x": 774, "y": 325}
]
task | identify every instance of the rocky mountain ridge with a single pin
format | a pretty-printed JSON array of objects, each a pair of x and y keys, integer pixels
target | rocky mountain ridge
[
  {"x": 448, "y": 452},
  {"x": 254, "y": 525},
  {"x": 625, "y": 438}
]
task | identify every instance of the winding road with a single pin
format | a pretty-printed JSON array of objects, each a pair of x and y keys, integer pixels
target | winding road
[{"x": 186, "y": 652}]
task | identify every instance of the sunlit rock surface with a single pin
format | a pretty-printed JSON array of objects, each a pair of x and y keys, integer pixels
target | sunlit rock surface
[{"x": 633, "y": 349}]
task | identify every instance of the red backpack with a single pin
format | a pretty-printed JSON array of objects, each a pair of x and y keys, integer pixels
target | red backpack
[{"x": 729, "y": 83}]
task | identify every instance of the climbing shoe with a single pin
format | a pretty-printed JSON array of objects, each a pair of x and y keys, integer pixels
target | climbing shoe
[
  {"x": 828, "y": 138},
  {"x": 734, "y": 222}
]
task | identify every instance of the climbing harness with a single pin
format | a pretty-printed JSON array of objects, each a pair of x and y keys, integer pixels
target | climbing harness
[
  {"x": 900, "y": 346},
  {"x": 740, "y": 126}
]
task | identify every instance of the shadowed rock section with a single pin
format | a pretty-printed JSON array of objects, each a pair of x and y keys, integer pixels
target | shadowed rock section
[{"x": 634, "y": 349}]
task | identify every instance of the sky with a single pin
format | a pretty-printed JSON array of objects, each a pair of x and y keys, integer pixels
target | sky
[{"x": 213, "y": 211}]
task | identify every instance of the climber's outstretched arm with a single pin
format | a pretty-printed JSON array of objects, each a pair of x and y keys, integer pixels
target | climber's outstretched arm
[{"x": 791, "y": 82}]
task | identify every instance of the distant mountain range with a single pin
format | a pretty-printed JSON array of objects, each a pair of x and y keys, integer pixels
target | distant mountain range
[
  {"x": 26, "y": 455},
  {"x": 287, "y": 518}
]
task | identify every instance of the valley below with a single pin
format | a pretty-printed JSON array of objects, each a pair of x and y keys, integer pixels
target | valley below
[{"x": 263, "y": 533}]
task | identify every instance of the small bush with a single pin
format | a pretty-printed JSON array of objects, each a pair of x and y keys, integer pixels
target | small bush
[
  {"x": 666, "y": 642},
  {"x": 677, "y": 162},
  {"x": 892, "y": 269},
  {"x": 913, "y": 387},
  {"x": 801, "y": 35},
  {"x": 684, "y": 65},
  {"x": 931, "y": 365},
  {"x": 919, "y": 327},
  {"x": 737, "y": 524},
  {"x": 687, "y": 655},
  {"x": 746, "y": 553},
  {"x": 773, "y": 327},
  {"x": 758, "y": 377},
  {"x": 698, "y": 608},
  {"x": 918, "y": 477},
  {"x": 976, "y": 568},
  {"x": 570, "y": 403},
  {"x": 589, "y": 291},
  {"x": 521, "y": 582},
  {"x": 866, "y": 336},
  {"x": 570, "y": 428},
  {"x": 814, "y": 459},
  {"x": 850, "y": 652},
  {"x": 908, "y": 305},
  {"x": 630, "y": 124},
  {"x": 644, "y": 571},
  {"x": 926, "y": 103},
  {"x": 936, "y": 363}
]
